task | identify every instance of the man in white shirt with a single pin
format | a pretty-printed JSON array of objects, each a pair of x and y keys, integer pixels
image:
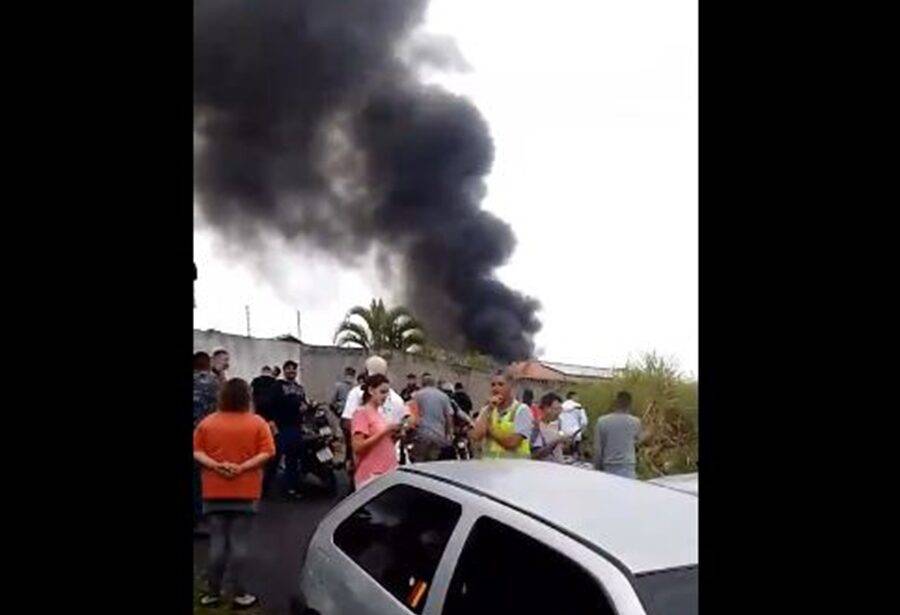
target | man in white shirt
[
  {"x": 573, "y": 418},
  {"x": 394, "y": 407}
]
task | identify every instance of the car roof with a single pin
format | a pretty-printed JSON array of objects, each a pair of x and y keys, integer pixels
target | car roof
[
  {"x": 687, "y": 483},
  {"x": 643, "y": 526}
]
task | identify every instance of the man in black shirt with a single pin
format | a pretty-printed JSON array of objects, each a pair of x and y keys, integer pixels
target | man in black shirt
[
  {"x": 411, "y": 387},
  {"x": 263, "y": 387},
  {"x": 462, "y": 398},
  {"x": 287, "y": 405}
]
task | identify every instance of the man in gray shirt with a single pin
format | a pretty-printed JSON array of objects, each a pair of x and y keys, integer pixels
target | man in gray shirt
[
  {"x": 615, "y": 437},
  {"x": 341, "y": 388},
  {"x": 434, "y": 431}
]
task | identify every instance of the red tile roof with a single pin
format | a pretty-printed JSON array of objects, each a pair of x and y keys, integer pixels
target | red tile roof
[{"x": 535, "y": 370}]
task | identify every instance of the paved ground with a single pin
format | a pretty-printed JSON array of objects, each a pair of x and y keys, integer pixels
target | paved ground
[{"x": 280, "y": 533}]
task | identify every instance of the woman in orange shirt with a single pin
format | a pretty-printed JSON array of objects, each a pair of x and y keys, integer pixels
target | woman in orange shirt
[{"x": 232, "y": 445}]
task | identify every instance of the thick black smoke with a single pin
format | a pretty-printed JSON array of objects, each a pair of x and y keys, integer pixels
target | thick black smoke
[{"x": 310, "y": 123}]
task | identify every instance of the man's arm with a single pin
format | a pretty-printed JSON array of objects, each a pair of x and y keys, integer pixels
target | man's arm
[
  {"x": 509, "y": 442},
  {"x": 524, "y": 423},
  {"x": 545, "y": 449},
  {"x": 479, "y": 431}
]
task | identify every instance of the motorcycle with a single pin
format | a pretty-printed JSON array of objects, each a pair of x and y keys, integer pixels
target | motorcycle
[
  {"x": 324, "y": 451},
  {"x": 462, "y": 446}
]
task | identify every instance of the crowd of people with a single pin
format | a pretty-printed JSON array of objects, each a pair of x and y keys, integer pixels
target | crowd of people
[{"x": 244, "y": 432}]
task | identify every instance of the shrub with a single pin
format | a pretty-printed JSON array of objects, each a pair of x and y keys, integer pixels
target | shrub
[{"x": 665, "y": 401}]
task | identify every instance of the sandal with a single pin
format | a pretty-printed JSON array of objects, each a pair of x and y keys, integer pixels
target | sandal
[{"x": 210, "y": 600}]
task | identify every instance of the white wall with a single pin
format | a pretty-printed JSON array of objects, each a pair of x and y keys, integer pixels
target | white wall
[
  {"x": 248, "y": 354},
  {"x": 322, "y": 366}
]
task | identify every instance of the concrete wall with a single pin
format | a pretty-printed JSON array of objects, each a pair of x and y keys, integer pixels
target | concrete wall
[
  {"x": 247, "y": 354},
  {"x": 322, "y": 366}
]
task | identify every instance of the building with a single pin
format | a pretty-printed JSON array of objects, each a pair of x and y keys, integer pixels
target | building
[{"x": 544, "y": 376}]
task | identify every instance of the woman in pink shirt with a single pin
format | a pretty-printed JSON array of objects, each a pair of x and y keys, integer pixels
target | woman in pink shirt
[{"x": 373, "y": 437}]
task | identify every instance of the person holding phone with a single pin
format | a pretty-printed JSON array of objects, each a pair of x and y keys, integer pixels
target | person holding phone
[
  {"x": 548, "y": 440},
  {"x": 373, "y": 434}
]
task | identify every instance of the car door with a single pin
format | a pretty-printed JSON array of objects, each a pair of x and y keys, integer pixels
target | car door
[
  {"x": 502, "y": 560},
  {"x": 378, "y": 552}
]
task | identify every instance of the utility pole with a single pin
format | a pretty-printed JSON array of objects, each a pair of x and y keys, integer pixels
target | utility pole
[
  {"x": 247, "y": 310},
  {"x": 298, "y": 325}
]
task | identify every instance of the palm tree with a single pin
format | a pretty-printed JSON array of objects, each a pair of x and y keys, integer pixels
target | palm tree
[{"x": 377, "y": 328}]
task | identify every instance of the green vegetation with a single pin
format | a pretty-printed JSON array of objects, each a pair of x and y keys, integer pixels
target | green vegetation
[
  {"x": 377, "y": 328},
  {"x": 666, "y": 402}
]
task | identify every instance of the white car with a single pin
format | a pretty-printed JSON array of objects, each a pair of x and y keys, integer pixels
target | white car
[
  {"x": 687, "y": 483},
  {"x": 505, "y": 537}
]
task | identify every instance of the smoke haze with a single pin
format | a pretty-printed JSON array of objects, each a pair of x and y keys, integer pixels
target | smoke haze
[{"x": 311, "y": 125}]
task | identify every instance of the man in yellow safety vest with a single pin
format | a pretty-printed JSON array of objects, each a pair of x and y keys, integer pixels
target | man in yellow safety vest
[{"x": 505, "y": 424}]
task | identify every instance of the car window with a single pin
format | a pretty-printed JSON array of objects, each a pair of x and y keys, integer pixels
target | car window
[
  {"x": 398, "y": 538},
  {"x": 669, "y": 592},
  {"x": 502, "y": 570}
]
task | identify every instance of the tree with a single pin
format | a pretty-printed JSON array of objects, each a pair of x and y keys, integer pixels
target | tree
[{"x": 378, "y": 328}]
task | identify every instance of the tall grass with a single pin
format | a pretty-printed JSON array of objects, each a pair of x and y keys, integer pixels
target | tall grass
[{"x": 672, "y": 448}]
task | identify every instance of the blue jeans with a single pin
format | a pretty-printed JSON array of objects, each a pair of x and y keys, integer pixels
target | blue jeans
[
  {"x": 229, "y": 543},
  {"x": 288, "y": 442}
]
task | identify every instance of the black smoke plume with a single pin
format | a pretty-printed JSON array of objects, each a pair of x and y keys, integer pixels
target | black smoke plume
[{"x": 310, "y": 123}]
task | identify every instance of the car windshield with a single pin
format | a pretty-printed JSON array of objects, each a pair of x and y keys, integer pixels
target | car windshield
[{"x": 669, "y": 592}]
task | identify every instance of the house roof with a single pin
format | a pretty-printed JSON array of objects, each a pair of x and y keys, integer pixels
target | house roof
[
  {"x": 560, "y": 372},
  {"x": 535, "y": 370},
  {"x": 581, "y": 371}
]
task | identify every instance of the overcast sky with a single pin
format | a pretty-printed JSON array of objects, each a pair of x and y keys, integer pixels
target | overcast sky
[{"x": 593, "y": 109}]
